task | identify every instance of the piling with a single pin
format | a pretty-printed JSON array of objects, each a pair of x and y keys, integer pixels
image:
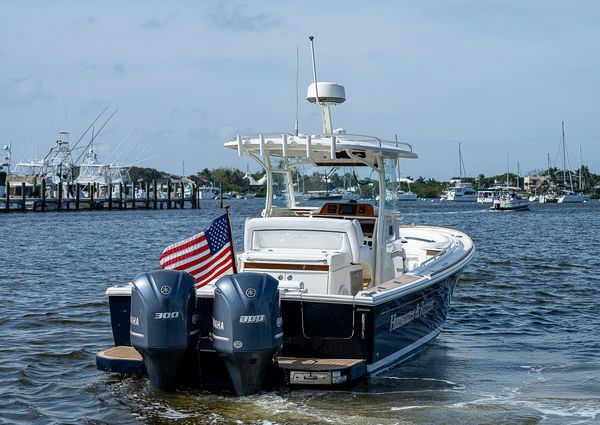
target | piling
[
  {"x": 59, "y": 206},
  {"x": 91, "y": 193},
  {"x": 147, "y": 195},
  {"x": 169, "y": 195},
  {"x": 7, "y": 205},
  {"x": 121, "y": 195},
  {"x": 43, "y": 194},
  {"x": 22, "y": 196},
  {"x": 182, "y": 196},
  {"x": 154, "y": 192},
  {"x": 132, "y": 195},
  {"x": 34, "y": 194},
  {"x": 221, "y": 195},
  {"x": 110, "y": 188},
  {"x": 77, "y": 195}
]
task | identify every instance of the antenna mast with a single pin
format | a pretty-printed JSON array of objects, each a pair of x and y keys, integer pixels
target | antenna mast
[
  {"x": 297, "y": 98},
  {"x": 327, "y": 129}
]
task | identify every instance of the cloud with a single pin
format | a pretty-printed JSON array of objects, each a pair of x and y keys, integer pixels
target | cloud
[
  {"x": 235, "y": 19},
  {"x": 200, "y": 133},
  {"x": 24, "y": 91},
  {"x": 119, "y": 68},
  {"x": 88, "y": 66},
  {"x": 86, "y": 20},
  {"x": 160, "y": 133},
  {"x": 155, "y": 23}
]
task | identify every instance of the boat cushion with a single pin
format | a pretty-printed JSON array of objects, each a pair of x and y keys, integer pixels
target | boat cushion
[{"x": 350, "y": 228}]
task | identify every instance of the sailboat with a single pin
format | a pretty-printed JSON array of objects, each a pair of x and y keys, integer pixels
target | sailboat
[
  {"x": 550, "y": 196},
  {"x": 460, "y": 191},
  {"x": 568, "y": 196}
]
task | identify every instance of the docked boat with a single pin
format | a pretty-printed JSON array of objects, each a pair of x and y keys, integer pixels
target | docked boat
[
  {"x": 550, "y": 197},
  {"x": 208, "y": 192},
  {"x": 509, "y": 199},
  {"x": 460, "y": 191},
  {"x": 105, "y": 180},
  {"x": 322, "y": 195},
  {"x": 568, "y": 195},
  {"x": 325, "y": 294},
  {"x": 407, "y": 195}
]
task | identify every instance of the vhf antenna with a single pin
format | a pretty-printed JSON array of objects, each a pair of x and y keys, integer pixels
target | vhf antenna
[
  {"x": 297, "y": 99},
  {"x": 314, "y": 65}
]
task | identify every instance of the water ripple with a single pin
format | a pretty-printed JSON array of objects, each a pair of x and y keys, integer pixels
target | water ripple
[{"x": 520, "y": 344}]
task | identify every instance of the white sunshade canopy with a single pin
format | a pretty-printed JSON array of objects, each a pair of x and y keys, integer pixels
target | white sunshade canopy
[{"x": 331, "y": 150}]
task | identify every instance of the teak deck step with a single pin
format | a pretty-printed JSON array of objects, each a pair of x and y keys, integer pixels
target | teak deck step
[
  {"x": 315, "y": 371},
  {"x": 121, "y": 353},
  {"x": 310, "y": 364},
  {"x": 120, "y": 359}
]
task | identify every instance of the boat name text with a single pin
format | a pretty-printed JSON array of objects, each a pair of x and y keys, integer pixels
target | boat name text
[{"x": 400, "y": 320}]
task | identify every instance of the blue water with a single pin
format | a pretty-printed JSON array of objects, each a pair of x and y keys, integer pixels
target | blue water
[{"x": 521, "y": 345}]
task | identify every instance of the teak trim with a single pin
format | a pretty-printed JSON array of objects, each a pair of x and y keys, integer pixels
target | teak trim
[{"x": 287, "y": 266}]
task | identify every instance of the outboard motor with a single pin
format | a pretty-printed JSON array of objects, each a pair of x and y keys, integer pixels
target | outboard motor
[
  {"x": 247, "y": 327},
  {"x": 164, "y": 324}
]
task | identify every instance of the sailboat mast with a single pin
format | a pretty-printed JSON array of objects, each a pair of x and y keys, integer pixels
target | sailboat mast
[
  {"x": 564, "y": 156},
  {"x": 507, "y": 170},
  {"x": 461, "y": 165},
  {"x": 580, "y": 185}
]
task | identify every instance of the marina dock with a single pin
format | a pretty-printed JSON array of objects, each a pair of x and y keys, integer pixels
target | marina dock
[{"x": 76, "y": 197}]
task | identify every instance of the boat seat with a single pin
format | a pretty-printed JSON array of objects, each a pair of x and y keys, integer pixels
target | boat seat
[{"x": 355, "y": 246}]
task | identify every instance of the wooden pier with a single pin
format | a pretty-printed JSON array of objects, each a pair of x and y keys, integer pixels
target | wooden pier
[{"x": 36, "y": 197}]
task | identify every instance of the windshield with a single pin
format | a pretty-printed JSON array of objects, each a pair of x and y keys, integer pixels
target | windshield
[
  {"x": 300, "y": 183},
  {"x": 297, "y": 239}
]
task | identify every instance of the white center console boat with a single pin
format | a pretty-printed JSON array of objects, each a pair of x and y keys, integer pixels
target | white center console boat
[{"x": 358, "y": 292}]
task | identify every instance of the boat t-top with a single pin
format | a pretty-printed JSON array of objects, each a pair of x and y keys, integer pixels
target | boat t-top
[{"x": 325, "y": 294}]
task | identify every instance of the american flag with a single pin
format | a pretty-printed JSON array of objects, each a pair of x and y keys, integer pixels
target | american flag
[{"x": 206, "y": 256}]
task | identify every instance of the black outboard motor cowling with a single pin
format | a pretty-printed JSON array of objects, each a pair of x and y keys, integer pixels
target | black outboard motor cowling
[
  {"x": 247, "y": 327},
  {"x": 164, "y": 324}
]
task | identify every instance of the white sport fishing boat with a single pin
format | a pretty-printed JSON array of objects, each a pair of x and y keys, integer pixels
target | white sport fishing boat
[
  {"x": 509, "y": 199},
  {"x": 358, "y": 292}
]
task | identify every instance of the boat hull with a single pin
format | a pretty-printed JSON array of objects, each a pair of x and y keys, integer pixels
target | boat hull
[
  {"x": 383, "y": 334},
  {"x": 461, "y": 198},
  {"x": 377, "y": 336},
  {"x": 520, "y": 205}
]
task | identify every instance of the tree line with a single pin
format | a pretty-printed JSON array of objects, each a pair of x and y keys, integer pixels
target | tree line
[{"x": 232, "y": 180}]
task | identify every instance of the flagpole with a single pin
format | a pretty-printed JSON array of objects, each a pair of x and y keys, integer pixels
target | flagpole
[{"x": 230, "y": 238}]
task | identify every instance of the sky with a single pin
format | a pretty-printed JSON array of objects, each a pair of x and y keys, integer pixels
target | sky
[{"x": 186, "y": 76}]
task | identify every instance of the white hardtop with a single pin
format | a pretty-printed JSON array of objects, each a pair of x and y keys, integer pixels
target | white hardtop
[{"x": 331, "y": 150}]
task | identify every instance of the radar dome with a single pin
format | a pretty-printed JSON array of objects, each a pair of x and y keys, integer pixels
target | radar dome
[{"x": 327, "y": 92}]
